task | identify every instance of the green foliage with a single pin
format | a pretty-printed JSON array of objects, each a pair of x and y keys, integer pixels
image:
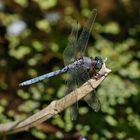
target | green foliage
[{"x": 33, "y": 35}]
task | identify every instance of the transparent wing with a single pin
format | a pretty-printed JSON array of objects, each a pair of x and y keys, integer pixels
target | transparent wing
[
  {"x": 76, "y": 49},
  {"x": 84, "y": 36},
  {"x": 91, "y": 98},
  {"x": 93, "y": 101},
  {"x": 79, "y": 76},
  {"x": 69, "y": 57},
  {"x": 70, "y": 51},
  {"x": 72, "y": 85}
]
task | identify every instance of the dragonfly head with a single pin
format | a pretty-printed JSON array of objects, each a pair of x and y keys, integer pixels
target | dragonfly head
[{"x": 98, "y": 62}]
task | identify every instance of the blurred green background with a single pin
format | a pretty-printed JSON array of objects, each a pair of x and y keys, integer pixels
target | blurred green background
[{"x": 33, "y": 36}]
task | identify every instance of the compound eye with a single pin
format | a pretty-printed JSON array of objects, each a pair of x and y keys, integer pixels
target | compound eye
[
  {"x": 98, "y": 65},
  {"x": 99, "y": 62},
  {"x": 98, "y": 58}
]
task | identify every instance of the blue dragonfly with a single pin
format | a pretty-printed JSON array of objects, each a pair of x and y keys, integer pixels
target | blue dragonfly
[{"x": 77, "y": 65}]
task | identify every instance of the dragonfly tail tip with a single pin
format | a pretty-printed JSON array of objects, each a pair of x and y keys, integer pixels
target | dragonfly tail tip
[{"x": 20, "y": 85}]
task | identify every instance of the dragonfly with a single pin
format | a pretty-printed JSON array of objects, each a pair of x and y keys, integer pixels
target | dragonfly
[{"x": 77, "y": 66}]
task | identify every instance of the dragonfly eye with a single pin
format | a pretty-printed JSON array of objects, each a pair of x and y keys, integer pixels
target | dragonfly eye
[{"x": 99, "y": 62}]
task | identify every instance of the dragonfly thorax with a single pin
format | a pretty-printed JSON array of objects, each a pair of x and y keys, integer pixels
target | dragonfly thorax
[{"x": 87, "y": 63}]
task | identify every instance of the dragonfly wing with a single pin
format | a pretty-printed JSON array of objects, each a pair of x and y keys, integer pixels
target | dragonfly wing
[
  {"x": 76, "y": 49},
  {"x": 84, "y": 36},
  {"x": 72, "y": 85},
  {"x": 93, "y": 101},
  {"x": 91, "y": 98},
  {"x": 69, "y": 57},
  {"x": 74, "y": 111},
  {"x": 79, "y": 77},
  {"x": 70, "y": 50},
  {"x": 76, "y": 78}
]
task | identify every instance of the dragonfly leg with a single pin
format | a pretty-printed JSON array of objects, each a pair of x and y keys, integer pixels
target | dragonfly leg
[{"x": 98, "y": 75}]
